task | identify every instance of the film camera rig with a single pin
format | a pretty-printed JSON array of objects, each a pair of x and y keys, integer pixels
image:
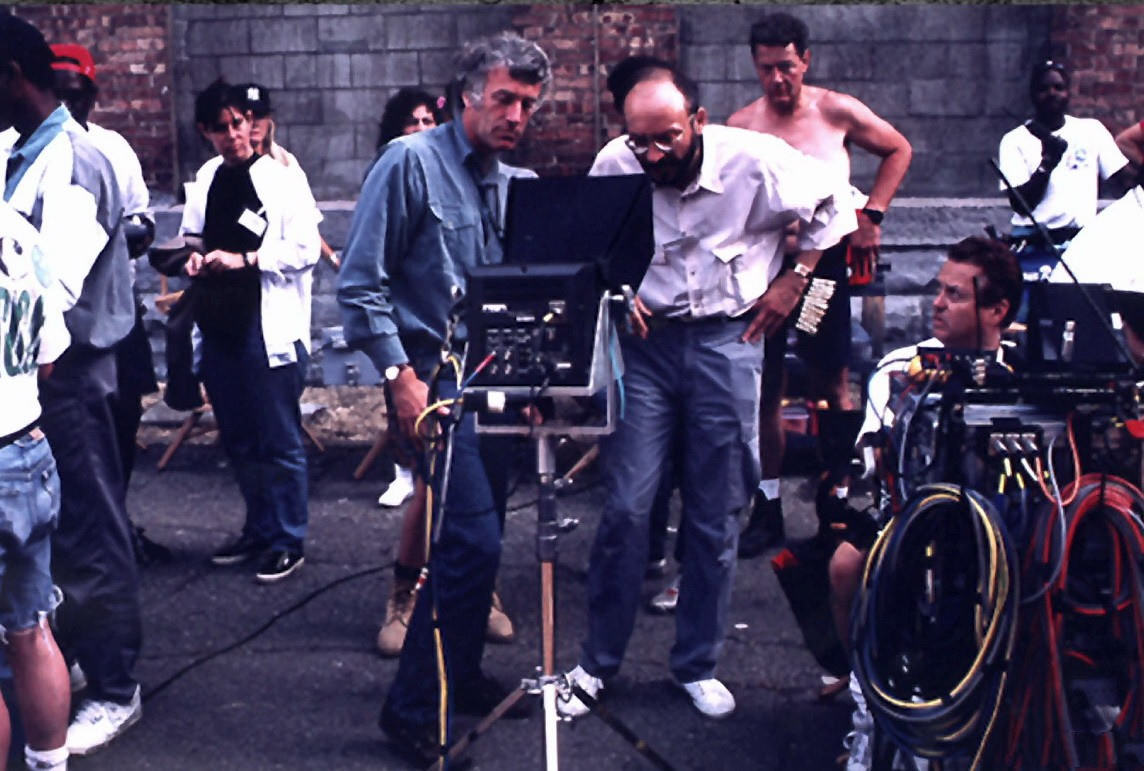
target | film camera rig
[
  {"x": 1018, "y": 577},
  {"x": 542, "y": 325}
]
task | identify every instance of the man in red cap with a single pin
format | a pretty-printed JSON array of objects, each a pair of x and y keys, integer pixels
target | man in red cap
[{"x": 74, "y": 73}]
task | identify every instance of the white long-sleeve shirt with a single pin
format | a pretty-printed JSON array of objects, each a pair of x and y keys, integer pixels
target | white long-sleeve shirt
[
  {"x": 718, "y": 243},
  {"x": 286, "y": 258}
]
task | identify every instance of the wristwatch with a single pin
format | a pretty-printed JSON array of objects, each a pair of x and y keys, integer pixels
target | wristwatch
[
  {"x": 393, "y": 371},
  {"x": 874, "y": 215}
]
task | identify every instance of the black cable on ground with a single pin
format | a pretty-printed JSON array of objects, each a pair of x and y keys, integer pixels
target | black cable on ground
[{"x": 278, "y": 615}]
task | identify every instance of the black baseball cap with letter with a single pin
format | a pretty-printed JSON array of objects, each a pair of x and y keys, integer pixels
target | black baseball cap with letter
[{"x": 257, "y": 99}]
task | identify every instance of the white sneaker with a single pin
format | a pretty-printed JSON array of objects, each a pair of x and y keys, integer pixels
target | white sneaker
[
  {"x": 400, "y": 489},
  {"x": 77, "y": 678},
  {"x": 570, "y": 706},
  {"x": 710, "y": 697},
  {"x": 98, "y": 722},
  {"x": 666, "y": 600}
]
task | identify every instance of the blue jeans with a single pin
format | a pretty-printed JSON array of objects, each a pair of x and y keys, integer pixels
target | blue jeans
[
  {"x": 697, "y": 379},
  {"x": 29, "y": 507},
  {"x": 462, "y": 567},
  {"x": 260, "y": 425}
]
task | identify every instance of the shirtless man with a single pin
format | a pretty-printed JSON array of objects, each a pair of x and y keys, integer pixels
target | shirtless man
[{"x": 823, "y": 124}]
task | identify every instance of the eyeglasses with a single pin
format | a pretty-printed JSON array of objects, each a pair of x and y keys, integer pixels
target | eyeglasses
[{"x": 640, "y": 145}]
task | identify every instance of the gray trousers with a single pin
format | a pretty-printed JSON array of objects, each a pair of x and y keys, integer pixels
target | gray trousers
[{"x": 699, "y": 379}]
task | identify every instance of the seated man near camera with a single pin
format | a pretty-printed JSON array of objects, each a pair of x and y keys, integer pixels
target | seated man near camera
[{"x": 979, "y": 292}]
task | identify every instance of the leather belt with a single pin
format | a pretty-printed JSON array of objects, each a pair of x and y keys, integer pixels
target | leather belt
[{"x": 31, "y": 431}]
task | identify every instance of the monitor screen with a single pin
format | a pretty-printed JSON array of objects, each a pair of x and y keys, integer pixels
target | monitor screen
[{"x": 604, "y": 220}]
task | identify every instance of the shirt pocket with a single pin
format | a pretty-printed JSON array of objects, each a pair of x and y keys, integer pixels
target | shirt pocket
[
  {"x": 743, "y": 275},
  {"x": 460, "y": 230}
]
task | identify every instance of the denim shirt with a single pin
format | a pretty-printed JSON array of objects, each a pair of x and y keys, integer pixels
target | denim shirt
[{"x": 420, "y": 222}]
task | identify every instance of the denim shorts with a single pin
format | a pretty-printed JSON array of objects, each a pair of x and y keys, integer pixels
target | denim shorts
[{"x": 29, "y": 507}]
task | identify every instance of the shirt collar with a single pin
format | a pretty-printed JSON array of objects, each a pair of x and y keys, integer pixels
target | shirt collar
[
  {"x": 709, "y": 177},
  {"x": 33, "y": 145}
]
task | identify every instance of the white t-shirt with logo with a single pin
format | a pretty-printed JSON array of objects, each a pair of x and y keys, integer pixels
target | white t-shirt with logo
[
  {"x": 32, "y": 329},
  {"x": 1070, "y": 199}
]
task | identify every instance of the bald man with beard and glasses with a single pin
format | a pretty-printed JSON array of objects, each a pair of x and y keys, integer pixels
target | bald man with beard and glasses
[
  {"x": 722, "y": 199},
  {"x": 824, "y": 124}
]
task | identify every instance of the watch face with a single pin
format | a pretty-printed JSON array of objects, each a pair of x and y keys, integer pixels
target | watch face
[{"x": 391, "y": 373}]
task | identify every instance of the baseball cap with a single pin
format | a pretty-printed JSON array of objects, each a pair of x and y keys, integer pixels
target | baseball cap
[
  {"x": 74, "y": 58},
  {"x": 257, "y": 99}
]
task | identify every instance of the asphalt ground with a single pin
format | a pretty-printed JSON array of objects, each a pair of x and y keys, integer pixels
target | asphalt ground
[{"x": 241, "y": 676}]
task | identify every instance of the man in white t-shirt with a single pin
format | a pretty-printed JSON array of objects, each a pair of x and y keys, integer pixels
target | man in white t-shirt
[
  {"x": 29, "y": 507},
  {"x": 1055, "y": 163}
]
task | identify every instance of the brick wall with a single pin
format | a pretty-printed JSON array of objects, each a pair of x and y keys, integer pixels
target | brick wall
[
  {"x": 130, "y": 46},
  {"x": 1103, "y": 45},
  {"x": 579, "y": 118}
]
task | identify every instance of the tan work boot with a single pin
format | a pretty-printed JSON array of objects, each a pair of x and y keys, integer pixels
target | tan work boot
[
  {"x": 398, "y": 610},
  {"x": 499, "y": 628}
]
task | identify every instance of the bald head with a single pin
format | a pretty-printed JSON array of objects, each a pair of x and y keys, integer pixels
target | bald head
[
  {"x": 662, "y": 132},
  {"x": 656, "y": 96}
]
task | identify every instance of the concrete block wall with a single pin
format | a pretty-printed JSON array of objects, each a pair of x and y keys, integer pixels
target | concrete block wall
[
  {"x": 330, "y": 69},
  {"x": 951, "y": 78}
]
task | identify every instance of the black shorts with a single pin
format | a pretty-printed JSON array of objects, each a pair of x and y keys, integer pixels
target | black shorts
[{"x": 829, "y": 349}]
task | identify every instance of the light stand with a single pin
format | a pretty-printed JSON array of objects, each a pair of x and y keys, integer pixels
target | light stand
[{"x": 548, "y": 683}]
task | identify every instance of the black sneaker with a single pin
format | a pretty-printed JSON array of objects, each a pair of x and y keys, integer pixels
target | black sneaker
[
  {"x": 481, "y": 696},
  {"x": 765, "y": 528},
  {"x": 277, "y": 565},
  {"x": 415, "y": 744},
  {"x": 241, "y": 549}
]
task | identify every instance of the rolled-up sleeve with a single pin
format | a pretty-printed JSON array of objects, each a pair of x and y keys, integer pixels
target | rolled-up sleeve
[
  {"x": 798, "y": 186},
  {"x": 392, "y": 201}
]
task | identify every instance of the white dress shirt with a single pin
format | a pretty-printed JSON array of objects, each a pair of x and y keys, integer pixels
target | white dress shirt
[
  {"x": 286, "y": 258},
  {"x": 718, "y": 243}
]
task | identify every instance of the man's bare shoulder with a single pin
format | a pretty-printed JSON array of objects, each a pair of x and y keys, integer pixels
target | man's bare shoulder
[
  {"x": 750, "y": 116},
  {"x": 841, "y": 109}
]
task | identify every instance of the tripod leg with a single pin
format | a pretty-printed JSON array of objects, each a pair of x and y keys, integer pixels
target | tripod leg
[
  {"x": 486, "y": 723},
  {"x": 548, "y": 654},
  {"x": 619, "y": 727}
]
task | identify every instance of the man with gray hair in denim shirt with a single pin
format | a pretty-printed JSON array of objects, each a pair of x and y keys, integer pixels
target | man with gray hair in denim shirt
[{"x": 428, "y": 212}]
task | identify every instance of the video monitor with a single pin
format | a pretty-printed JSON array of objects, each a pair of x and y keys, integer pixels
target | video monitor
[
  {"x": 603, "y": 220},
  {"x": 1066, "y": 330}
]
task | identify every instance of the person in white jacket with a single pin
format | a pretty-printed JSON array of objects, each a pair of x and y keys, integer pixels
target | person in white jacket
[{"x": 251, "y": 284}]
